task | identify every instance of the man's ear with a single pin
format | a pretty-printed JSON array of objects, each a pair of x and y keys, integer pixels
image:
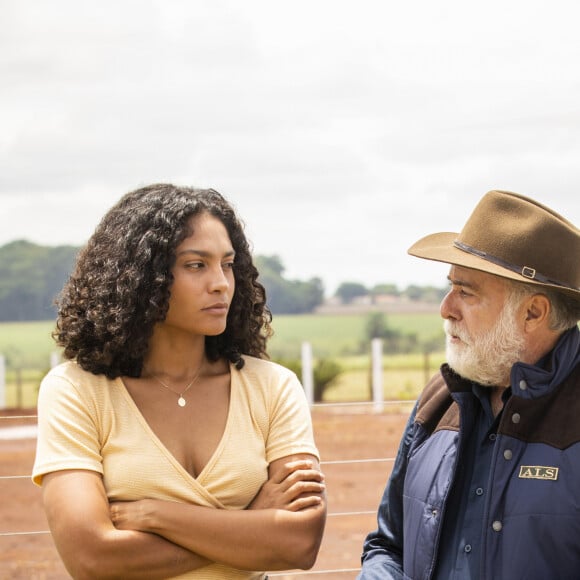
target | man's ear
[{"x": 538, "y": 309}]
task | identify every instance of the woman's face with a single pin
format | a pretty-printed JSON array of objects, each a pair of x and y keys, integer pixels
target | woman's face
[{"x": 203, "y": 285}]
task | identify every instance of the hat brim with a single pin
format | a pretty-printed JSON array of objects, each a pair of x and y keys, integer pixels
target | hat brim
[{"x": 440, "y": 248}]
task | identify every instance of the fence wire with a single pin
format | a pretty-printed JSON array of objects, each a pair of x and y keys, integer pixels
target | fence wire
[{"x": 331, "y": 515}]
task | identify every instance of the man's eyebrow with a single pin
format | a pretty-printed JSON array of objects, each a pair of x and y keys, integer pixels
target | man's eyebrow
[{"x": 459, "y": 282}]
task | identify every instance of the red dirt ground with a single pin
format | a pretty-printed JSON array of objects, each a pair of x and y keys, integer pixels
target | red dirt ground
[{"x": 342, "y": 433}]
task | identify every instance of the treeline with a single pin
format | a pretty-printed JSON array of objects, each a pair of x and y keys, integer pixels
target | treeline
[
  {"x": 31, "y": 276},
  {"x": 349, "y": 292},
  {"x": 287, "y": 296}
]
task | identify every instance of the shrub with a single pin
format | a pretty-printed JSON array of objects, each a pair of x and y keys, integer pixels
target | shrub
[{"x": 325, "y": 372}]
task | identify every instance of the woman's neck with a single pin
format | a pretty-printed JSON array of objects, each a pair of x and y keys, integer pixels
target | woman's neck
[{"x": 174, "y": 357}]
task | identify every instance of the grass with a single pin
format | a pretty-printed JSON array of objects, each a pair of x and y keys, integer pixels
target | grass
[
  {"x": 341, "y": 335},
  {"x": 22, "y": 388},
  {"x": 27, "y": 344},
  {"x": 27, "y": 348},
  {"x": 398, "y": 383}
]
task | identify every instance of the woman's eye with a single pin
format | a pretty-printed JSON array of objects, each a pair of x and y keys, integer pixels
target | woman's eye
[
  {"x": 228, "y": 265},
  {"x": 194, "y": 265}
]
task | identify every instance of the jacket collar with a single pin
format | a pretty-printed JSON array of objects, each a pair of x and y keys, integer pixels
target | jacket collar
[{"x": 531, "y": 381}]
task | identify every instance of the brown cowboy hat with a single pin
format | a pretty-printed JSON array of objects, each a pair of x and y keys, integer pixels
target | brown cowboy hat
[{"x": 515, "y": 237}]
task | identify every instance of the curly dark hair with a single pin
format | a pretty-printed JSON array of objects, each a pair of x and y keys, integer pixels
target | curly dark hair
[{"x": 121, "y": 283}]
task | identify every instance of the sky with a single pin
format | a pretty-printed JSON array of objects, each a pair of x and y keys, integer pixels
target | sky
[{"x": 341, "y": 131}]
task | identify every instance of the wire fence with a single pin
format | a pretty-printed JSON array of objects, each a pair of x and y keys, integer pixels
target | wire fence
[{"x": 352, "y": 511}]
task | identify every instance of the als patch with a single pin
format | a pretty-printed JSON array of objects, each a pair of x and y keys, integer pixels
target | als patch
[{"x": 538, "y": 472}]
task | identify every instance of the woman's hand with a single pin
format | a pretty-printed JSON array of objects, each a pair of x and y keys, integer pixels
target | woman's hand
[
  {"x": 91, "y": 547},
  {"x": 280, "y": 530},
  {"x": 132, "y": 515},
  {"x": 293, "y": 486}
]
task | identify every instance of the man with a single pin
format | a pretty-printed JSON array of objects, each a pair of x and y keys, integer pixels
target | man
[{"x": 486, "y": 483}]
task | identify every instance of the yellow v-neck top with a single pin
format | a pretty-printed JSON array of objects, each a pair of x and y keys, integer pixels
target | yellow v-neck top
[{"x": 87, "y": 421}]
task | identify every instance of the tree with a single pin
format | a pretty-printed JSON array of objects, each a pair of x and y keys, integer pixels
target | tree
[
  {"x": 324, "y": 372},
  {"x": 394, "y": 340},
  {"x": 31, "y": 276},
  {"x": 376, "y": 326},
  {"x": 287, "y": 296},
  {"x": 270, "y": 264},
  {"x": 424, "y": 293},
  {"x": 385, "y": 290},
  {"x": 348, "y": 291}
]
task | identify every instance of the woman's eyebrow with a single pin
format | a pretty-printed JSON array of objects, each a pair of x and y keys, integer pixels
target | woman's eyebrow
[{"x": 204, "y": 253}]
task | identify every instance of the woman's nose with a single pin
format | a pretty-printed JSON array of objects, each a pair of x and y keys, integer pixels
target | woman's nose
[{"x": 219, "y": 281}]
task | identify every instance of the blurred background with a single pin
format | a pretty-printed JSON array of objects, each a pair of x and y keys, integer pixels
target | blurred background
[{"x": 341, "y": 131}]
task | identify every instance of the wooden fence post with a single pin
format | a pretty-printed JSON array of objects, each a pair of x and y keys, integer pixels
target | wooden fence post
[{"x": 19, "y": 395}]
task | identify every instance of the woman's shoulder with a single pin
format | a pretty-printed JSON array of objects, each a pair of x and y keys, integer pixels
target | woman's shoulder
[
  {"x": 72, "y": 373},
  {"x": 68, "y": 369},
  {"x": 265, "y": 368},
  {"x": 265, "y": 377}
]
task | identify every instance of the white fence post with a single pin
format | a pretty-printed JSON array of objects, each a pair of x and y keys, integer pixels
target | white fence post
[
  {"x": 308, "y": 372},
  {"x": 2, "y": 382},
  {"x": 377, "y": 374},
  {"x": 54, "y": 359}
]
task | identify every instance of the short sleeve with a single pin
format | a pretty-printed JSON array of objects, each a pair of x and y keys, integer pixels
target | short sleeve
[
  {"x": 290, "y": 430},
  {"x": 67, "y": 434}
]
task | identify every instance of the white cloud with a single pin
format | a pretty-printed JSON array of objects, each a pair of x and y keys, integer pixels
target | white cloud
[{"x": 342, "y": 131}]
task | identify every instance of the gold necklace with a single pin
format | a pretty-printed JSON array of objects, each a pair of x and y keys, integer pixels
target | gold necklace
[{"x": 181, "y": 400}]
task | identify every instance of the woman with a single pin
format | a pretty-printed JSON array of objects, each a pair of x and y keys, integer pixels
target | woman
[{"x": 167, "y": 445}]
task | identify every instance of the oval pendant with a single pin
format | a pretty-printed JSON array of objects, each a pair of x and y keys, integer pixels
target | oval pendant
[{"x": 181, "y": 402}]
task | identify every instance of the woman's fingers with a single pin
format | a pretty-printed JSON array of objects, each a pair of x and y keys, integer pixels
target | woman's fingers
[
  {"x": 305, "y": 475},
  {"x": 292, "y": 467},
  {"x": 304, "y": 502},
  {"x": 292, "y": 485}
]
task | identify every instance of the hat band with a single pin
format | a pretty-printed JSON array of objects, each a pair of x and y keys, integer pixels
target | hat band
[{"x": 525, "y": 271}]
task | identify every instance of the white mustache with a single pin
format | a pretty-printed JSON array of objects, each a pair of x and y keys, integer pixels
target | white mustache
[{"x": 451, "y": 329}]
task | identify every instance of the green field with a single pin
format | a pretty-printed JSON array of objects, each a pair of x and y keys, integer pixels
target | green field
[
  {"x": 341, "y": 335},
  {"x": 27, "y": 344},
  {"x": 27, "y": 349}
]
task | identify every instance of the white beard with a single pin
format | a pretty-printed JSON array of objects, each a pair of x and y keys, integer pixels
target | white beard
[{"x": 486, "y": 358}]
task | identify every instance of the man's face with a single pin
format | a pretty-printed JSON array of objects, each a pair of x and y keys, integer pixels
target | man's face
[{"x": 484, "y": 327}]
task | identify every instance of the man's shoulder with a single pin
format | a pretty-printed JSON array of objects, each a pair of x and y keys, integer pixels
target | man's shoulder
[{"x": 436, "y": 407}]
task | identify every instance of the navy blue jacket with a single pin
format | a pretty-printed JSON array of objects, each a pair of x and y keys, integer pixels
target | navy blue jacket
[{"x": 531, "y": 526}]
